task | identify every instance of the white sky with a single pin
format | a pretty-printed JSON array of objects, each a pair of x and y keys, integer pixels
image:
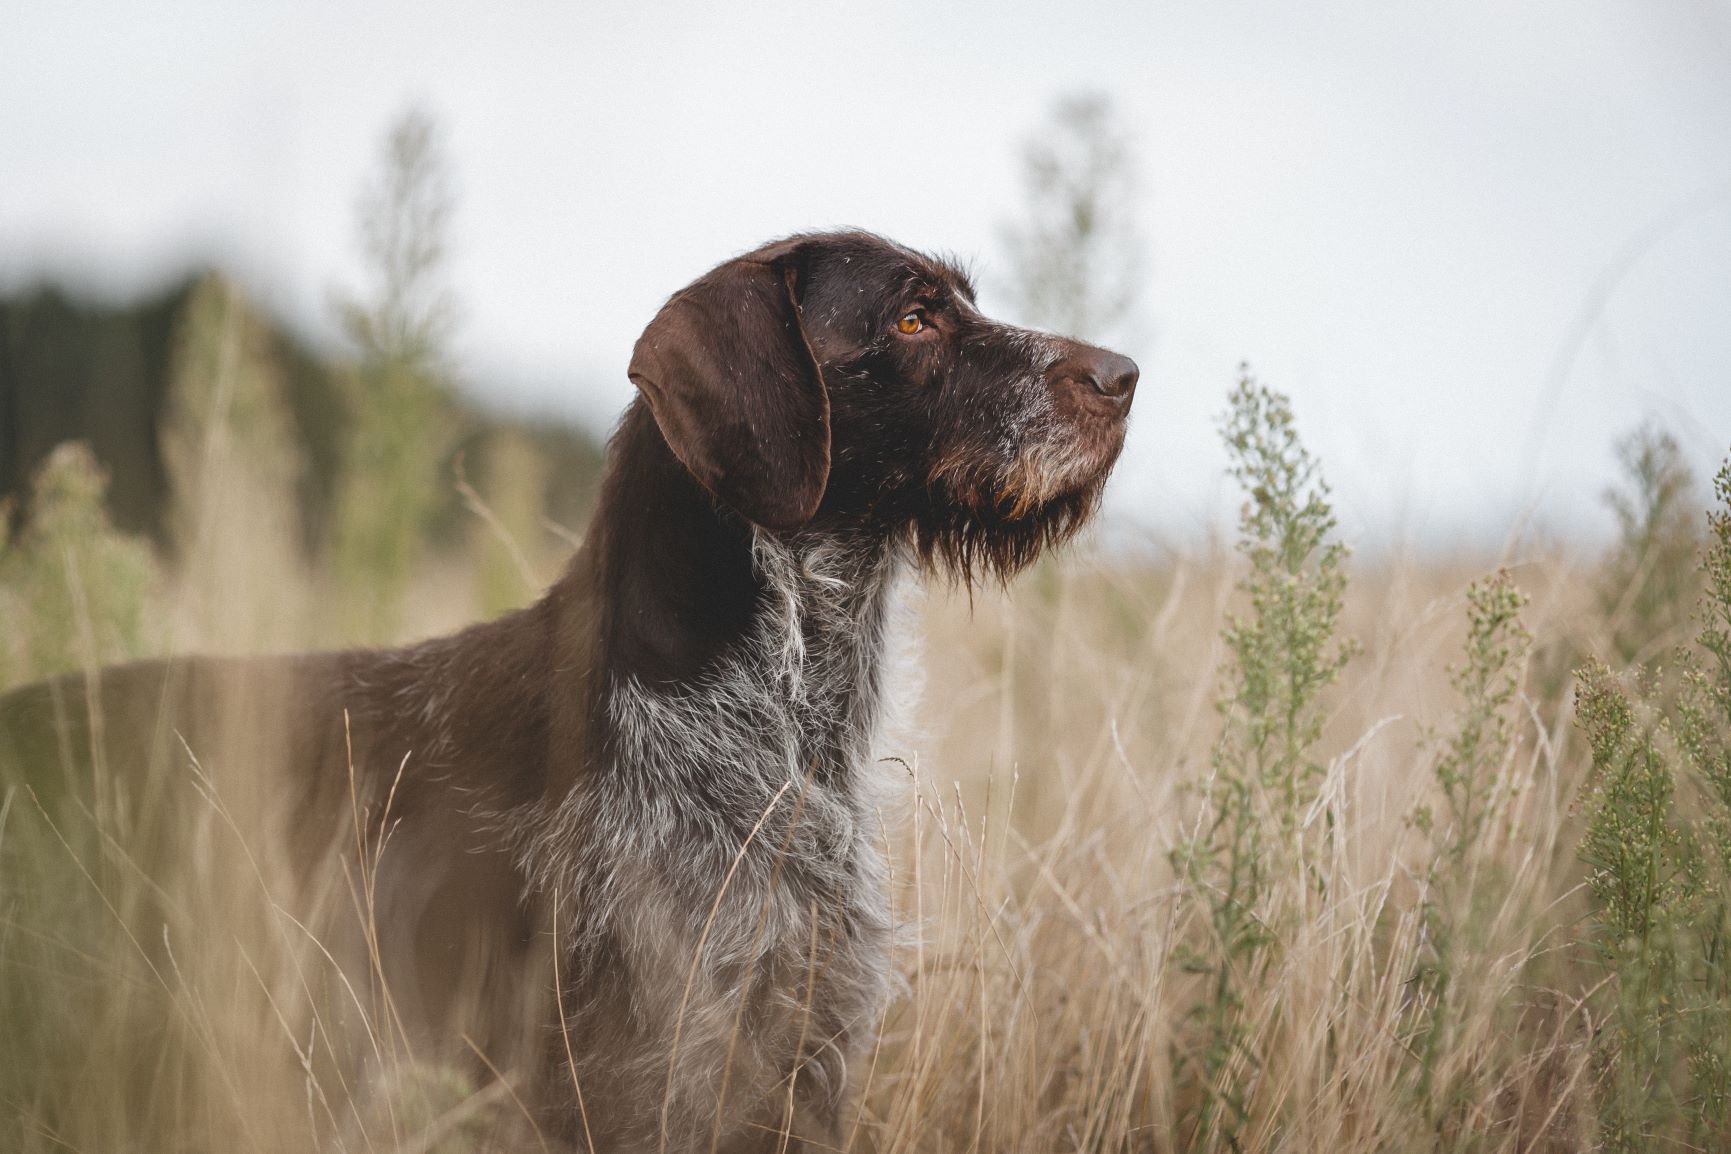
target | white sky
[{"x": 1473, "y": 241}]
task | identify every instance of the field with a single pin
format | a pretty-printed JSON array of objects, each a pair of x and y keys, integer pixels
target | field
[{"x": 1247, "y": 848}]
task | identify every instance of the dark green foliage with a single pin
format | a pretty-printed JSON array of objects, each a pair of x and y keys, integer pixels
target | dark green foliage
[
  {"x": 74, "y": 370},
  {"x": 77, "y": 370}
]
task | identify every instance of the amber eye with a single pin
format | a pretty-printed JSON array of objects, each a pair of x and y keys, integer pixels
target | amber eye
[{"x": 911, "y": 324}]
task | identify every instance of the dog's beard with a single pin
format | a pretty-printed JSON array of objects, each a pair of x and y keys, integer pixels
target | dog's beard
[
  {"x": 987, "y": 517},
  {"x": 972, "y": 532}
]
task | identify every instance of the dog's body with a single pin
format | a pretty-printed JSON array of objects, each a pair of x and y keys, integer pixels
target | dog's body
[{"x": 628, "y": 840}]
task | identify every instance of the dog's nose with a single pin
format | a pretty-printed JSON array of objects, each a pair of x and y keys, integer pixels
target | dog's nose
[
  {"x": 1113, "y": 375},
  {"x": 1100, "y": 371}
]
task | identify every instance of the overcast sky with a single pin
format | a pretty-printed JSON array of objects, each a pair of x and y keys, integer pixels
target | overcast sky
[{"x": 1474, "y": 241}]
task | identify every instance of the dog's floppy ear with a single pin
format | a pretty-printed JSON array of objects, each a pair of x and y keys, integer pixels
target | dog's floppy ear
[{"x": 736, "y": 390}]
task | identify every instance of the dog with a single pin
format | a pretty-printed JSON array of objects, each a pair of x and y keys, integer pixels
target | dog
[{"x": 627, "y": 841}]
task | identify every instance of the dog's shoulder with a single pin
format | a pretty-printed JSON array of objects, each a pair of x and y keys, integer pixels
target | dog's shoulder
[{"x": 477, "y": 712}]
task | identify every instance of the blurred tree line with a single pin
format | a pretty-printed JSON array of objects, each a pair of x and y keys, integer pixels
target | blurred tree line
[{"x": 222, "y": 438}]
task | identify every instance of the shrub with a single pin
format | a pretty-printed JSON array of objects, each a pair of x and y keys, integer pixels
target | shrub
[
  {"x": 1658, "y": 850},
  {"x": 74, "y": 590}
]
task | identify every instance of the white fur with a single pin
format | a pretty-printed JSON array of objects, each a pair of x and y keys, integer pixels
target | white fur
[{"x": 765, "y": 773}]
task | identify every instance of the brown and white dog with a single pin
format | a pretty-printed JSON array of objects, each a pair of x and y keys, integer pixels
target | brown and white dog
[{"x": 661, "y": 780}]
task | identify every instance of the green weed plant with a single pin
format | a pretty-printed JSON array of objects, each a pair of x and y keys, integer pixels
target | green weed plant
[
  {"x": 1264, "y": 776},
  {"x": 74, "y": 591},
  {"x": 1657, "y": 846}
]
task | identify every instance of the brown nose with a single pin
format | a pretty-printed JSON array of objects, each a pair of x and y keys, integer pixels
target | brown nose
[
  {"x": 1115, "y": 376},
  {"x": 1103, "y": 371}
]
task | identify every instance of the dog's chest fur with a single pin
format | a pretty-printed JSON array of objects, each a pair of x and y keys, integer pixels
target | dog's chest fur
[{"x": 723, "y": 875}]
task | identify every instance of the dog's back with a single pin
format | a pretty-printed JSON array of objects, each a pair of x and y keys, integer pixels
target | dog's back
[
  {"x": 354, "y": 785},
  {"x": 130, "y": 746}
]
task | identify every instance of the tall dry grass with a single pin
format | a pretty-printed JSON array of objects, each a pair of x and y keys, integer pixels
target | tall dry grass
[
  {"x": 1061, "y": 999},
  {"x": 1411, "y": 962}
]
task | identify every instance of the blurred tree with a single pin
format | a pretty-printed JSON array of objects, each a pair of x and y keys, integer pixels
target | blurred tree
[
  {"x": 1076, "y": 255},
  {"x": 74, "y": 369},
  {"x": 401, "y": 426}
]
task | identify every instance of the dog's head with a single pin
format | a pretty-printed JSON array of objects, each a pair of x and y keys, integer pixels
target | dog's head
[{"x": 839, "y": 381}]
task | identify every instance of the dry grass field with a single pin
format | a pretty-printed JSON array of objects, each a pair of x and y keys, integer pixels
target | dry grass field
[{"x": 1222, "y": 850}]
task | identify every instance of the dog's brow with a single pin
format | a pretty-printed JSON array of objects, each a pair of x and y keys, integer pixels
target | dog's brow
[
  {"x": 954, "y": 273},
  {"x": 940, "y": 291}
]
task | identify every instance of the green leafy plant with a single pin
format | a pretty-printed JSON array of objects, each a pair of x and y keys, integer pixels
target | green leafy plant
[
  {"x": 1264, "y": 777},
  {"x": 1481, "y": 742},
  {"x": 1474, "y": 776},
  {"x": 74, "y": 591},
  {"x": 1658, "y": 850}
]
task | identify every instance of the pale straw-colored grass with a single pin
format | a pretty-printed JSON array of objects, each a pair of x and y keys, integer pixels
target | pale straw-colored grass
[{"x": 1058, "y": 758}]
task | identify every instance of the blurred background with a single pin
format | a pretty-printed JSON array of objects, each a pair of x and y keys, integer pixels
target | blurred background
[
  {"x": 314, "y": 318},
  {"x": 1474, "y": 245}
]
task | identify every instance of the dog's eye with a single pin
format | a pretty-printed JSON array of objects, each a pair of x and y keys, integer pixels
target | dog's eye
[{"x": 911, "y": 323}]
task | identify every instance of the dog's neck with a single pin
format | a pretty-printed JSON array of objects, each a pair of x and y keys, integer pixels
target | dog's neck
[
  {"x": 734, "y": 675},
  {"x": 697, "y": 606},
  {"x": 672, "y": 575}
]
